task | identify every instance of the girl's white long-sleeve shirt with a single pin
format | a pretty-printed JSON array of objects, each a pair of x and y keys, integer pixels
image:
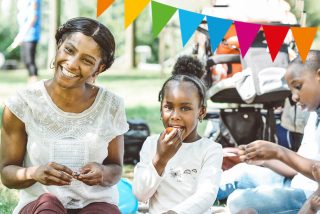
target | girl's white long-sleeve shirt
[{"x": 189, "y": 183}]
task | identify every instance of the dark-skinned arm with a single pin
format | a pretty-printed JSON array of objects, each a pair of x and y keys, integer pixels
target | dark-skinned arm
[
  {"x": 114, "y": 162},
  {"x": 264, "y": 150},
  {"x": 12, "y": 153}
]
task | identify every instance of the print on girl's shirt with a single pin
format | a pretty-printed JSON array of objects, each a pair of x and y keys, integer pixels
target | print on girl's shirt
[{"x": 178, "y": 176}]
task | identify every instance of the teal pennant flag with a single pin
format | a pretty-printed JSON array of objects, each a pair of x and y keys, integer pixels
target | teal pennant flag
[
  {"x": 189, "y": 22},
  {"x": 161, "y": 14},
  {"x": 217, "y": 29}
]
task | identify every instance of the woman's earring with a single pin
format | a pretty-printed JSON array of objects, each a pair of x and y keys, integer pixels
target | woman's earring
[{"x": 51, "y": 66}]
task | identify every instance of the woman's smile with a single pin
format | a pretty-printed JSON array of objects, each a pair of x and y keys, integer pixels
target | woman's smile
[{"x": 67, "y": 73}]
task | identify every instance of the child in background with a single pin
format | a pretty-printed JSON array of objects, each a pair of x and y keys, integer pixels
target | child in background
[
  {"x": 179, "y": 171},
  {"x": 294, "y": 171}
]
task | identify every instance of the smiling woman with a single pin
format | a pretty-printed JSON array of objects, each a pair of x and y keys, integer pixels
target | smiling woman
[{"x": 62, "y": 139}]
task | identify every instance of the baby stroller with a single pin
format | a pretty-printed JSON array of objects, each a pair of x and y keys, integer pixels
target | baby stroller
[{"x": 250, "y": 98}]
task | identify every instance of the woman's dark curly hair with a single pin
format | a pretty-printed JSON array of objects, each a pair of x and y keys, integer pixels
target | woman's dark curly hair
[
  {"x": 89, "y": 27},
  {"x": 187, "y": 69}
]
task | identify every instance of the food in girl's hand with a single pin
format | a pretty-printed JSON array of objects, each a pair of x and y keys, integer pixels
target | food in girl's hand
[{"x": 169, "y": 129}]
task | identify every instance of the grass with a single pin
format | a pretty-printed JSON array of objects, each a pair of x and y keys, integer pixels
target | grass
[{"x": 139, "y": 90}]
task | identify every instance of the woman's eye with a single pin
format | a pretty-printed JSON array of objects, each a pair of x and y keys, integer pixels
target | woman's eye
[
  {"x": 68, "y": 50},
  {"x": 88, "y": 62}
]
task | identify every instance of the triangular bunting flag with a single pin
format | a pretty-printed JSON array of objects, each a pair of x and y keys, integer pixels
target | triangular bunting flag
[
  {"x": 102, "y": 5},
  {"x": 189, "y": 22},
  {"x": 161, "y": 14},
  {"x": 275, "y": 36},
  {"x": 246, "y": 33},
  {"x": 217, "y": 29},
  {"x": 303, "y": 36},
  {"x": 132, "y": 9}
]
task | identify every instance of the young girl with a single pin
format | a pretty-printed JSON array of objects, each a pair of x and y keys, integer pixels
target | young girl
[{"x": 179, "y": 171}]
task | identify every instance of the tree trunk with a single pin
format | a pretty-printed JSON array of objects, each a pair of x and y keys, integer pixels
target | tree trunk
[
  {"x": 54, "y": 20},
  {"x": 130, "y": 46}
]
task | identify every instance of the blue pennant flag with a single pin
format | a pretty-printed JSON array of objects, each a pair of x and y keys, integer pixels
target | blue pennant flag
[
  {"x": 217, "y": 29},
  {"x": 189, "y": 22}
]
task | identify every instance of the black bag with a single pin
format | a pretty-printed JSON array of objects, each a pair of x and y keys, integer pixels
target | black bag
[
  {"x": 240, "y": 126},
  {"x": 133, "y": 140}
]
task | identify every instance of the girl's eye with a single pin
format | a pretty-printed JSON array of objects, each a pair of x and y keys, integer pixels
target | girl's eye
[
  {"x": 185, "y": 108},
  {"x": 166, "y": 108},
  {"x": 298, "y": 87}
]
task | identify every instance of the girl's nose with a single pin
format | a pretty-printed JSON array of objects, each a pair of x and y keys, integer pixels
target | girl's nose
[
  {"x": 174, "y": 115},
  {"x": 295, "y": 97}
]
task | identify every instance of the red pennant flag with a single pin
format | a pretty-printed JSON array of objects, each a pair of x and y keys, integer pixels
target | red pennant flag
[
  {"x": 102, "y": 5},
  {"x": 275, "y": 36}
]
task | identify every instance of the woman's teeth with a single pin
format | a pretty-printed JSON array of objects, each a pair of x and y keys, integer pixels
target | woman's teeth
[{"x": 67, "y": 73}]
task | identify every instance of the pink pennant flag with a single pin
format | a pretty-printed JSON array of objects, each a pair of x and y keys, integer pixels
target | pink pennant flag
[{"x": 246, "y": 33}]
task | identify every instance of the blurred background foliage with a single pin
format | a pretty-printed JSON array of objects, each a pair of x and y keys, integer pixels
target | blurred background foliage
[{"x": 114, "y": 19}]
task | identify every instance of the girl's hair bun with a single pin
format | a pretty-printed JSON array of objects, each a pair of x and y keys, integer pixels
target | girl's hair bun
[{"x": 188, "y": 65}]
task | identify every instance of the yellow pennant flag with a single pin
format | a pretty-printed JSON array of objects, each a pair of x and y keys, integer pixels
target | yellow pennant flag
[
  {"x": 303, "y": 37},
  {"x": 132, "y": 9}
]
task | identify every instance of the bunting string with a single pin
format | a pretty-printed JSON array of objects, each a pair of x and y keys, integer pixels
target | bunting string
[{"x": 217, "y": 27}]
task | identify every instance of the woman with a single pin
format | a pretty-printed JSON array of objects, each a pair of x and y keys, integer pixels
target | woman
[{"x": 62, "y": 139}]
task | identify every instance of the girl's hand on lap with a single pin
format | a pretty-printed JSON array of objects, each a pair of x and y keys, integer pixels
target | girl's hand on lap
[{"x": 52, "y": 174}]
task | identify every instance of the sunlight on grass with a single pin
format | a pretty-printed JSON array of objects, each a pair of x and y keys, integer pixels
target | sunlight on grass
[{"x": 8, "y": 199}]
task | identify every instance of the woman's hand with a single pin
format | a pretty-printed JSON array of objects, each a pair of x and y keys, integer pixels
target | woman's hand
[
  {"x": 91, "y": 174},
  {"x": 52, "y": 174},
  {"x": 258, "y": 150}
]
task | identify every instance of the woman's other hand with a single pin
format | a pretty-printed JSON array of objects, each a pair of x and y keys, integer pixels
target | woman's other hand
[
  {"x": 52, "y": 174},
  {"x": 91, "y": 174}
]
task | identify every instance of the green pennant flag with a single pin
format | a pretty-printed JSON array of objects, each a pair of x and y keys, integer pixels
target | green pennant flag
[{"x": 161, "y": 14}]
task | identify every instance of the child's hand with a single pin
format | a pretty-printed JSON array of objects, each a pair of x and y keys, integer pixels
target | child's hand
[
  {"x": 259, "y": 150},
  {"x": 169, "y": 143}
]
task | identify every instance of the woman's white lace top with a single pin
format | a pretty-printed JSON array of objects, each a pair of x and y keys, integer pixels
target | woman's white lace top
[{"x": 71, "y": 139}]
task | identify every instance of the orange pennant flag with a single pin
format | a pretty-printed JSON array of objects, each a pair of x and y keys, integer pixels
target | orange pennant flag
[
  {"x": 132, "y": 9},
  {"x": 102, "y": 5},
  {"x": 303, "y": 37}
]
